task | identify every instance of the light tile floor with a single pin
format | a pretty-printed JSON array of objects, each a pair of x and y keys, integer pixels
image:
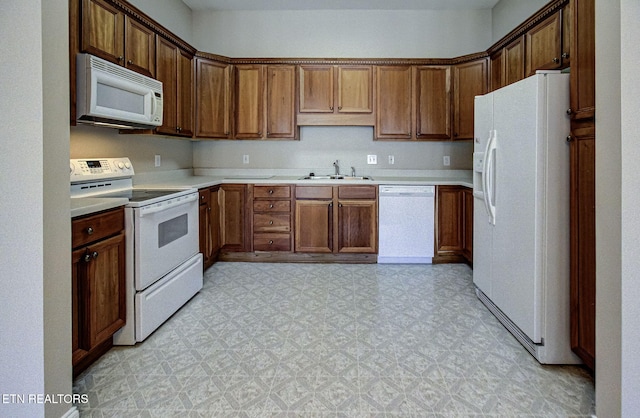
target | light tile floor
[{"x": 315, "y": 340}]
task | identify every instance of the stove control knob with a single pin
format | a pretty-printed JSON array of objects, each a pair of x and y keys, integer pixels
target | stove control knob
[
  {"x": 128, "y": 165},
  {"x": 120, "y": 165}
]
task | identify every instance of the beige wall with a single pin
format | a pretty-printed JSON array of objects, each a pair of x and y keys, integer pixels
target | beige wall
[
  {"x": 507, "y": 14},
  {"x": 331, "y": 33},
  {"x": 35, "y": 262}
]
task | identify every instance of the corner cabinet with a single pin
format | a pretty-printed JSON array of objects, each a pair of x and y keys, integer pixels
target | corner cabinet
[
  {"x": 469, "y": 80},
  {"x": 209, "y": 218},
  {"x": 98, "y": 285},
  {"x": 213, "y": 99},
  {"x": 174, "y": 67}
]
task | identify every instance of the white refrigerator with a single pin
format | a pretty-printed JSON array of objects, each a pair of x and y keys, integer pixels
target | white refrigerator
[{"x": 521, "y": 212}]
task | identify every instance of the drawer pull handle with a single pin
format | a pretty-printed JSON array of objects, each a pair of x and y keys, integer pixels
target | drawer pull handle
[
  {"x": 270, "y": 191},
  {"x": 271, "y": 206},
  {"x": 270, "y": 222},
  {"x": 90, "y": 231},
  {"x": 270, "y": 242}
]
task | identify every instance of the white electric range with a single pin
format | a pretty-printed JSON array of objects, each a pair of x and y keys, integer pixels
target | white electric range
[{"x": 163, "y": 265}]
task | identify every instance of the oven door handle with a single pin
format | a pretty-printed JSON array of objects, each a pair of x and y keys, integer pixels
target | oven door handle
[{"x": 174, "y": 203}]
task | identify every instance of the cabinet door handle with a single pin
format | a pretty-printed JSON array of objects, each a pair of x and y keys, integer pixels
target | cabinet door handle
[
  {"x": 94, "y": 254},
  {"x": 90, "y": 231},
  {"x": 87, "y": 257},
  {"x": 569, "y": 138},
  {"x": 556, "y": 60},
  {"x": 565, "y": 55},
  {"x": 120, "y": 58}
]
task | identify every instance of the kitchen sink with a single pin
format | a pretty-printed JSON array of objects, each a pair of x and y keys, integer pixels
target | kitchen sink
[{"x": 335, "y": 177}]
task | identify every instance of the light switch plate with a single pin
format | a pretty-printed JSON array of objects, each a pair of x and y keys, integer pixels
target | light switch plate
[
  {"x": 245, "y": 159},
  {"x": 158, "y": 160},
  {"x": 372, "y": 159}
]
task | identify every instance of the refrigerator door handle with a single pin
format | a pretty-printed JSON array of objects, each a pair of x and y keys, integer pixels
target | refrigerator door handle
[
  {"x": 490, "y": 178},
  {"x": 485, "y": 175}
]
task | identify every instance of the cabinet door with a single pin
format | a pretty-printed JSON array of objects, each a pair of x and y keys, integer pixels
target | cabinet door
[
  {"x": 468, "y": 224},
  {"x": 433, "y": 103},
  {"x": 470, "y": 80},
  {"x": 567, "y": 33},
  {"x": 314, "y": 226},
  {"x": 167, "y": 72},
  {"x": 103, "y": 30},
  {"x": 497, "y": 70},
  {"x": 583, "y": 93},
  {"x": 185, "y": 94},
  {"x": 583, "y": 244},
  {"x": 214, "y": 223},
  {"x": 544, "y": 47},
  {"x": 140, "y": 47},
  {"x": 316, "y": 89},
  {"x": 233, "y": 218},
  {"x": 514, "y": 61},
  {"x": 357, "y": 226},
  {"x": 393, "y": 102},
  {"x": 249, "y": 102},
  {"x": 449, "y": 227},
  {"x": 281, "y": 101},
  {"x": 212, "y": 99},
  {"x": 105, "y": 289},
  {"x": 355, "y": 89}
]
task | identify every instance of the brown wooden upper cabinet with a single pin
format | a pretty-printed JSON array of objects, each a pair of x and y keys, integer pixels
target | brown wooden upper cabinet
[
  {"x": 257, "y": 116},
  {"x": 394, "y": 89},
  {"x": 336, "y": 89},
  {"x": 249, "y": 101},
  {"x": 433, "y": 102},
  {"x": 470, "y": 80},
  {"x": 544, "y": 45},
  {"x": 111, "y": 35},
  {"x": 213, "y": 97},
  {"x": 507, "y": 64},
  {"x": 174, "y": 68},
  {"x": 335, "y": 95},
  {"x": 281, "y": 102}
]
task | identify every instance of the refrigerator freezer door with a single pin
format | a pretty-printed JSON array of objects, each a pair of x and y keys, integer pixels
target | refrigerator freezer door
[{"x": 482, "y": 228}]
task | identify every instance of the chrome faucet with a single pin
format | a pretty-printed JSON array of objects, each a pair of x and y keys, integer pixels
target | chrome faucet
[
  {"x": 353, "y": 171},
  {"x": 337, "y": 167}
]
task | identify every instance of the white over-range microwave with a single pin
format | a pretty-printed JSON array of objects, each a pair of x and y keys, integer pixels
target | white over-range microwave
[{"x": 114, "y": 96}]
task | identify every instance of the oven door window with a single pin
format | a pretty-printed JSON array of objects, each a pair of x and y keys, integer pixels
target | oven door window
[{"x": 173, "y": 229}]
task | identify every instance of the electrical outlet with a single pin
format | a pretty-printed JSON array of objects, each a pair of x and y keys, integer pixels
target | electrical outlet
[
  {"x": 392, "y": 160},
  {"x": 245, "y": 159},
  {"x": 158, "y": 160},
  {"x": 372, "y": 159},
  {"x": 446, "y": 160}
]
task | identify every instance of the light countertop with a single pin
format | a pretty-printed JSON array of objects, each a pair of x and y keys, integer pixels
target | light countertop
[{"x": 206, "y": 178}]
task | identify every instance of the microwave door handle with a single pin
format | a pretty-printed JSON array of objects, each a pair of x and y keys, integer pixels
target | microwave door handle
[{"x": 145, "y": 211}]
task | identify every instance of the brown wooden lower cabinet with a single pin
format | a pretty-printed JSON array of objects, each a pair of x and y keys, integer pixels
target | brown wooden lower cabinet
[
  {"x": 454, "y": 224},
  {"x": 271, "y": 219},
  {"x": 234, "y": 225},
  {"x": 209, "y": 218},
  {"x": 98, "y": 285},
  {"x": 583, "y": 244},
  {"x": 340, "y": 219}
]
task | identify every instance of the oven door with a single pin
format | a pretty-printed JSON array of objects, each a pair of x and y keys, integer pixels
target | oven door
[{"x": 166, "y": 235}]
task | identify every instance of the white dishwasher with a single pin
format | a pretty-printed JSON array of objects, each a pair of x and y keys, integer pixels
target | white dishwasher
[{"x": 406, "y": 224}]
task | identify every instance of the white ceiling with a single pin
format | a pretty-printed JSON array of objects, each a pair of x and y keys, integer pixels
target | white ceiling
[{"x": 339, "y": 4}]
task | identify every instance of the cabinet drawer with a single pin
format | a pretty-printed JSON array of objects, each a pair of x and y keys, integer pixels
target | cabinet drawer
[
  {"x": 95, "y": 227},
  {"x": 314, "y": 192},
  {"x": 271, "y": 222},
  {"x": 272, "y": 206},
  {"x": 271, "y": 191},
  {"x": 272, "y": 242},
  {"x": 357, "y": 192}
]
